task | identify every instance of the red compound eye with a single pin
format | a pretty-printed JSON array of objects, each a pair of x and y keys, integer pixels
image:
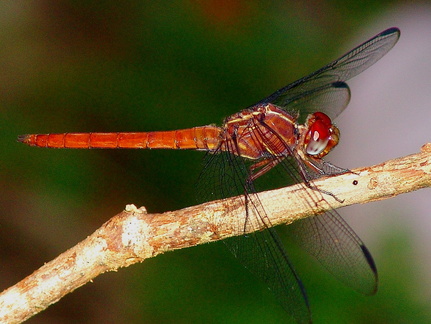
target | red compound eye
[{"x": 322, "y": 136}]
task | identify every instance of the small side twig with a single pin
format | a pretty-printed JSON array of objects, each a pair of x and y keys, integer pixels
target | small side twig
[{"x": 134, "y": 235}]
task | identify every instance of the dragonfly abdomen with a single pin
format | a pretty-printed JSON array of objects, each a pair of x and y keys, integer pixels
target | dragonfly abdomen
[{"x": 197, "y": 138}]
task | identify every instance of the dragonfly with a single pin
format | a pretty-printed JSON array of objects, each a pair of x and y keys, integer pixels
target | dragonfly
[{"x": 290, "y": 131}]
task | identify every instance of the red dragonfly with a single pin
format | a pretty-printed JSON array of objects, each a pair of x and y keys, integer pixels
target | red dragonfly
[{"x": 253, "y": 142}]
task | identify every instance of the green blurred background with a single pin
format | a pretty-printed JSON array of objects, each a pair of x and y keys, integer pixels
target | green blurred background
[{"x": 80, "y": 66}]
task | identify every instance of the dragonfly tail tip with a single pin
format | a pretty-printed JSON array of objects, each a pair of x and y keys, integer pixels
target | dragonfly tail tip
[{"x": 23, "y": 138}]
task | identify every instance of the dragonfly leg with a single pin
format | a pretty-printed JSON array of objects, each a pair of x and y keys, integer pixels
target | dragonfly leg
[
  {"x": 320, "y": 168},
  {"x": 260, "y": 168}
]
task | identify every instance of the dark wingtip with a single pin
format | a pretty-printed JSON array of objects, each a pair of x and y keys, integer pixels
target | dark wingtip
[
  {"x": 372, "y": 265},
  {"x": 340, "y": 84},
  {"x": 391, "y": 30}
]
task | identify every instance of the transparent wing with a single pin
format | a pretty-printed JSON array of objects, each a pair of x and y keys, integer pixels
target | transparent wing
[
  {"x": 334, "y": 96},
  {"x": 336, "y": 246},
  {"x": 263, "y": 255},
  {"x": 261, "y": 252},
  {"x": 340, "y": 70}
]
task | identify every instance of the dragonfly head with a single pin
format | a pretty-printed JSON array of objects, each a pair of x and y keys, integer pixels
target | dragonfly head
[{"x": 321, "y": 136}]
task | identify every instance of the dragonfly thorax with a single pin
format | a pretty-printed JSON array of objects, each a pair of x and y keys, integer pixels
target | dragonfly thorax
[{"x": 264, "y": 130}]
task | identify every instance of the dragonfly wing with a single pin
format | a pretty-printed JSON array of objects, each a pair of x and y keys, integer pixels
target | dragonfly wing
[
  {"x": 340, "y": 70},
  {"x": 331, "y": 98},
  {"x": 263, "y": 255},
  {"x": 336, "y": 246},
  {"x": 261, "y": 252}
]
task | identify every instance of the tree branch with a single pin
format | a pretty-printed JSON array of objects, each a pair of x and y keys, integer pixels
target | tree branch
[{"x": 134, "y": 235}]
